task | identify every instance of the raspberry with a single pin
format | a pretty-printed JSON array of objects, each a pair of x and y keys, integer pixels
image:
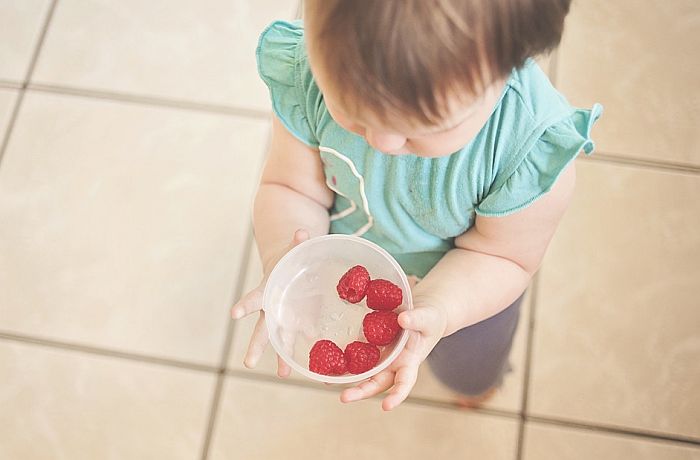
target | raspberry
[
  {"x": 383, "y": 295},
  {"x": 326, "y": 358},
  {"x": 361, "y": 357},
  {"x": 381, "y": 327},
  {"x": 353, "y": 285}
]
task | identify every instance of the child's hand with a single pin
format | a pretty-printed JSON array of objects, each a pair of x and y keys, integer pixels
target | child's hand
[
  {"x": 252, "y": 302},
  {"x": 426, "y": 325}
]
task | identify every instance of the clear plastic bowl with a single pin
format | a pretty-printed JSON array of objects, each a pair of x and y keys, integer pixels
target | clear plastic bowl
[{"x": 302, "y": 306}]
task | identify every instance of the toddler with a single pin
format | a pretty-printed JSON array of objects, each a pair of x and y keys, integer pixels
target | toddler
[{"x": 426, "y": 127}]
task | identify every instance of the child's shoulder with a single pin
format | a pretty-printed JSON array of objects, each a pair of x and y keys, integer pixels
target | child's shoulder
[{"x": 532, "y": 90}]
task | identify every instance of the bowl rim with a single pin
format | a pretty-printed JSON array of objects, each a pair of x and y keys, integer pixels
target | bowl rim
[{"x": 350, "y": 378}]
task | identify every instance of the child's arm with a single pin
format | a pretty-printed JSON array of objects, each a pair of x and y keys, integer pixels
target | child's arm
[
  {"x": 489, "y": 268},
  {"x": 292, "y": 195},
  {"x": 291, "y": 204},
  {"x": 493, "y": 262}
]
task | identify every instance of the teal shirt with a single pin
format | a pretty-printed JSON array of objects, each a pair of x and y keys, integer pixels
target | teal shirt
[{"x": 411, "y": 206}]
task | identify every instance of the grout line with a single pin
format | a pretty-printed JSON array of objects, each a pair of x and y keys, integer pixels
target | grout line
[
  {"x": 213, "y": 411},
  {"x": 300, "y": 10},
  {"x": 150, "y": 100},
  {"x": 11, "y": 124},
  {"x": 237, "y": 294},
  {"x": 265, "y": 115},
  {"x": 230, "y": 330},
  {"x": 39, "y": 44},
  {"x": 528, "y": 365},
  {"x": 9, "y": 84},
  {"x": 411, "y": 400},
  {"x": 221, "y": 375},
  {"x": 27, "y": 77},
  {"x": 642, "y": 163},
  {"x": 422, "y": 402},
  {"x": 245, "y": 260},
  {"x": 50, "y": 343},
  {"x": 616, "y": 430},
  {"x": 520, "y": 440},
  {"x": 248, "y": 375}
]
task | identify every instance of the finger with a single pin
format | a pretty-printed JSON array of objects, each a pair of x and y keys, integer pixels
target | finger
[
  {"x": 249, "y": 303},
  {"x": 287, "y": 339},
  {"x": 258, "y": 342},
  {"x": 413, "y": 348},
  {"x": 375, "y": 385},
  {"x": 403, "y": 384},
  {"x": 300, "y": 236},
  {"x": 417, "y": 349},
  {"x": 283, "y": 369},
  {"x": 252, "y": 301},
  {"x": 418, "y": 319}
]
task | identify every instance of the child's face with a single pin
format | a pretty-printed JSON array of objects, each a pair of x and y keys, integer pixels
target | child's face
[{"x": 395, "y": 137}]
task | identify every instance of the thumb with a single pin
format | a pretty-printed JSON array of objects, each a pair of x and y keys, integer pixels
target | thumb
[
  {"x": 249, "y": 303},
  {"x": 300, "y": 236},
  {"x": 419, "y": 319}
]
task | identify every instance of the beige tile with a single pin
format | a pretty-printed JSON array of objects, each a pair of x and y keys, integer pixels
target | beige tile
[
  {"x": 616, "y": 337},
  {"x": 544, "y": 442},
  {"x": 70, "y": 405},
  {"x": 7, "y": 104},
  {"x": 199, "y": 51},
  {"x": 641, "y": 62},
  {"x": 123, "y": 225},
  {"x": 20, "y": 27},
  {"x": 266, "y": 420},
  {"x": 509, "y": 397}
]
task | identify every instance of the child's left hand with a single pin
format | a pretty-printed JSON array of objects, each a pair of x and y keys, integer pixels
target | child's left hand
[{"x": 426, "y": 325}]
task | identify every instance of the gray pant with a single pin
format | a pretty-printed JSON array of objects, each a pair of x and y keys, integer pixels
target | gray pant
[{"x": 475, "y": 358}]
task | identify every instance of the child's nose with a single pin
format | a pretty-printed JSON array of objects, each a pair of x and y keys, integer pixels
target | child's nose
[{"x": 384, "y": 142}]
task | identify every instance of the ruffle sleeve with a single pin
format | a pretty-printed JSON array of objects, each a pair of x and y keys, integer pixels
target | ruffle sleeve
[
  {"x": 542, "y": 164},
  {"x": 278, "y": 55}
]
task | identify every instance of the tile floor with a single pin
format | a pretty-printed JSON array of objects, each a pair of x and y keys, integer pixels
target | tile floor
[{"x": 132, "y": 134}]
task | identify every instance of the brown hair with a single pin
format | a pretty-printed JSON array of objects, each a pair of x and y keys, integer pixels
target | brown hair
[{"x": 408, "y": 56}]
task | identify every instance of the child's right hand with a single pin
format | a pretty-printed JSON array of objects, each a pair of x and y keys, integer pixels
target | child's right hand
[{"x": 252, "y": 302}]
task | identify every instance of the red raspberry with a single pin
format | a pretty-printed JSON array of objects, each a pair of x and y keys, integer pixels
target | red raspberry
[
  {"x": 326, "y": 358},
  {"x": 353, "y": 285},
  {"x": 381, "y": 327},
  {"x": 361, "y": 357},
  {"x": 383, "y": 295}
]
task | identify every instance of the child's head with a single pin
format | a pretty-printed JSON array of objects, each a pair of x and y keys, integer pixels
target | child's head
[{"x": 422, "y": 76}]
